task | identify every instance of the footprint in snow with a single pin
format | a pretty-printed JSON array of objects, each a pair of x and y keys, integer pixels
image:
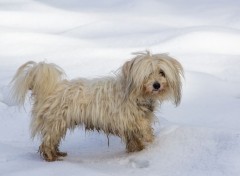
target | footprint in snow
[{"x": 137, "y": 163}]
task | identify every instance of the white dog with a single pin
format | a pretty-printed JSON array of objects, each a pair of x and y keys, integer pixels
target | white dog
[{"x": 121, "y": 105}]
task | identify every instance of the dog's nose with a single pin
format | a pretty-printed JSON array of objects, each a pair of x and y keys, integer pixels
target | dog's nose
[{"x": 156, "y": 85}]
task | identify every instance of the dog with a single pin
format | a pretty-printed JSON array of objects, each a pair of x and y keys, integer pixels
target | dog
[{"x": 122, "y": 105}]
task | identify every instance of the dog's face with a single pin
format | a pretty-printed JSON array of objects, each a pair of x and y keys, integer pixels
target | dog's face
[
  {"x": 156, "y": 83},
  {"x": 156, "y": 76}
]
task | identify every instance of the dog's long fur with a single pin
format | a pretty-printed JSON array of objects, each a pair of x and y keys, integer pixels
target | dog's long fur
[{"x": 122, "y": 105}]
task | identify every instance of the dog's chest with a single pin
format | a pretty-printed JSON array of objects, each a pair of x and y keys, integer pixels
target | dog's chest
[{"x": 146, "y": 105}]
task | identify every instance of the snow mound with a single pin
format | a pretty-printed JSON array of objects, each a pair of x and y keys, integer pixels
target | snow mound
[{"x": 86, "y": 39}]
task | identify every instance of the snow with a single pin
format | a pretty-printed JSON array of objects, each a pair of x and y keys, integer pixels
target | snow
[{"x": 92, "y": 39}]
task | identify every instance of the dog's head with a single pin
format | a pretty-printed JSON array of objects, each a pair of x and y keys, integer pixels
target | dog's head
[{"x": 157, "y": 76}]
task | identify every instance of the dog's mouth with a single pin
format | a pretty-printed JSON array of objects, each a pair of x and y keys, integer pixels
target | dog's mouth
[{"x": 157, "y": 91}]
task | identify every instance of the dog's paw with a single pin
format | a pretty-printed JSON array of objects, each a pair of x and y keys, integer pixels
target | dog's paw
[{"x": 61, "y": 154}]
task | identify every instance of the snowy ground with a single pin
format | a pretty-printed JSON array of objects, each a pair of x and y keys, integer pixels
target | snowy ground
[{"x": 93, "y": 38}]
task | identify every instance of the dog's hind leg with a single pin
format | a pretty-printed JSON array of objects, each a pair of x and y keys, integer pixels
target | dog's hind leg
[
  {"x": 47, "y": 152},
  {"x": 49, "y": 149},
  {"x": 59, "y": 153}
]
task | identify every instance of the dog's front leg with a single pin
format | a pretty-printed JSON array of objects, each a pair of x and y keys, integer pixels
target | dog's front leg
[
  {"x": 147, "y": 132},
  {"x": 145, "y": 129},
  {"x": 133, "y": 142}
]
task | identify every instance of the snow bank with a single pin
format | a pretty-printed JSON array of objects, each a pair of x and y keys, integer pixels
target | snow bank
[{"x": 92, "y": 39}]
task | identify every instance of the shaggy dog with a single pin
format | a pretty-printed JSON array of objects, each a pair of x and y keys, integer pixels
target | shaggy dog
[{"x": 121, "y": 105}]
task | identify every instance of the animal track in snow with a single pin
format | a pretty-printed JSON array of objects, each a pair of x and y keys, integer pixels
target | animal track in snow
[{"x": 139, "y": 163}]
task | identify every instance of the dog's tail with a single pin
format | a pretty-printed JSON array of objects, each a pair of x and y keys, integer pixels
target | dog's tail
[{"x": 41, "y": 78}]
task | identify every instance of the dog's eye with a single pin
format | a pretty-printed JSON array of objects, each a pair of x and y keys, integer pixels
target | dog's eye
[{"x": 162, "y": 73}]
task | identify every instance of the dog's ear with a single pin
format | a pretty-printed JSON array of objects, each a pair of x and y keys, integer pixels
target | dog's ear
[
  {"x": 127, "y": 68},
  {"x": 177, "y": 66},
  {"x": 127, "y": 78},
  {"x": 177, "y": 84}
]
